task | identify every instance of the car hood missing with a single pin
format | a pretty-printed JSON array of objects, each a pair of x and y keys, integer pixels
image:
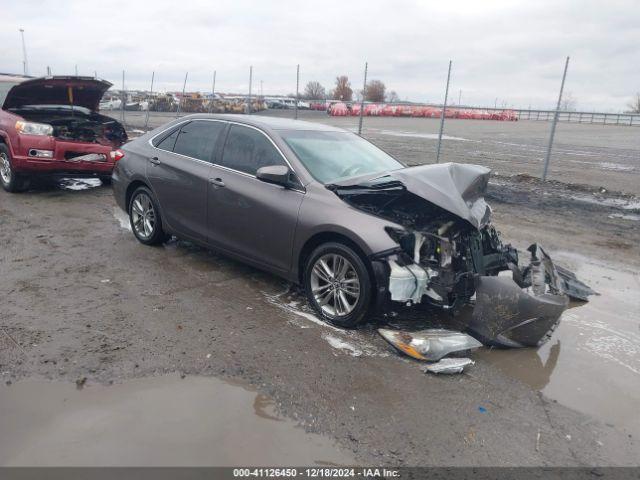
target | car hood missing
[
  {"x": 59, "y": 90},
  {"x": 455, "y": 188}
]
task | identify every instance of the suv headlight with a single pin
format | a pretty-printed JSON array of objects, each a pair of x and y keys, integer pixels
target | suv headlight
[{"x": 32, "y": 128}]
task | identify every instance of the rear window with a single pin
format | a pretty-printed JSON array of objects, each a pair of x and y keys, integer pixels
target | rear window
[
  {"x": 168, "y": 142},
  {"x": 198, "y": 139}
]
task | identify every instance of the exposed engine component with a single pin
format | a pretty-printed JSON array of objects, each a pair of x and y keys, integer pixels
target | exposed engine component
[
  {"x": 450, "y": 255},
  {"x": 78, "y": 125}
]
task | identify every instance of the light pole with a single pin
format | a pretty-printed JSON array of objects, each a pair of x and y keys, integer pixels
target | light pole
[{"x": 25, "y": 64}]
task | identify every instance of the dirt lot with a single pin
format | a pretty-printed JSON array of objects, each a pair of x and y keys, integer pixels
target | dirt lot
[{"x": 84, "y": 300}]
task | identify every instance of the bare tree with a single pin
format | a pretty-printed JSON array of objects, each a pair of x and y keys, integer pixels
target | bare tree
[
  {"x": 343, "y": 89},
  {"x": 634, "y": 105},
  {"x": 375, "y": 91},
  {"x": 393, "y": 97},
  {"x": 314, "y": 91},
  {"x": 568, "y": 103}
]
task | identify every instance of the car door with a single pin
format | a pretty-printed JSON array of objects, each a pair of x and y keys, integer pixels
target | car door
[
  {"x": 179, "y": 175},
  {"x": 248, "y": 216}
]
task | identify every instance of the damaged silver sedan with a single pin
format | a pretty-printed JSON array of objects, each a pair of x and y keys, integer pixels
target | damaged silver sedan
[{"x": 323, "y": 207}]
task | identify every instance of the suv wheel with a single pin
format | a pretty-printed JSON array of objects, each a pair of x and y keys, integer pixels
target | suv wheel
[
  {"x": 338, "y": 285},
  {"x": 10, "y": 180},
  {"x": 144, "y": 217}
]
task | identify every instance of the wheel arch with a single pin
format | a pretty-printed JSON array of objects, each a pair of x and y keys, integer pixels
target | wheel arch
[
  {"x": 132, "y": 187},
  {"x": 328, "y": 237}
]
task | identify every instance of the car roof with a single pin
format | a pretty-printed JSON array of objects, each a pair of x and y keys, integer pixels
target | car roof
[{"x": 271, "y": 123}]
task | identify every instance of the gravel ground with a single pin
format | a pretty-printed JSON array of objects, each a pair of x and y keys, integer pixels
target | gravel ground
[{"x": 83, "y": 299}]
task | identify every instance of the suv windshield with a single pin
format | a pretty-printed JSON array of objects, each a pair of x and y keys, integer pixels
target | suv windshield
[{"x": 331, "y": 156}]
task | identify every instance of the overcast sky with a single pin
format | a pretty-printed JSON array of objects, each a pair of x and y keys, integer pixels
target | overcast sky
[{"x": 510, "y": 50}]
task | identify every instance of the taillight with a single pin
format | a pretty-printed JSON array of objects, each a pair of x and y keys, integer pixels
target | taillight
[{"x": 117, "y": 155}]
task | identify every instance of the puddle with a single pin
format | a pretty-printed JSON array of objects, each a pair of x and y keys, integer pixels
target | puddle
[
  {"x": 79, "y": 183},
  {"x": 592, "y": 362},
  {"x": 158, "y": 421}
]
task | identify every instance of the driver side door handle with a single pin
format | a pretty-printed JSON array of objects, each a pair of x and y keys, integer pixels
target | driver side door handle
[
  {"x": 217, "y": 182},
  {"x": 155, "y": 160}
]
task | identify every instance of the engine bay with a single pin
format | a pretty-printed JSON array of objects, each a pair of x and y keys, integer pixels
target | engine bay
[{"x": 77, "y": 124}]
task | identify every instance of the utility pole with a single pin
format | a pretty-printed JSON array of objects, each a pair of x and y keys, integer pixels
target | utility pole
[
  {"x": 250, "y": 82},
  {"x": 213, "y": 92},
  {"x": 124, "y": 98},
  {"x": 554, "y": 123},
  {"x": 146, "y": 119},
  {"x": 25, "y": 64},
  {"x": 184, "y": 86},
  {"x": 295, "y": 111},
  {"x": 364, "y": 92},
  {"x": 444, "y": 108}
]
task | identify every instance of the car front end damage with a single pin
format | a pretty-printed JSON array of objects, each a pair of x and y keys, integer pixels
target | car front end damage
[
  {"x": 449, "y": 255},
  {"x": 56, "y": 128}
]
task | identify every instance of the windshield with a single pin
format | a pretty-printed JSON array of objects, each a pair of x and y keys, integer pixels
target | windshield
[{"x": 331, "y": 156}]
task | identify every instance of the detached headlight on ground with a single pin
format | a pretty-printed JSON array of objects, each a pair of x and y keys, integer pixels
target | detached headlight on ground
[
  {"x": 32, "y": 128},
  {"x": 430, "y": 345}
]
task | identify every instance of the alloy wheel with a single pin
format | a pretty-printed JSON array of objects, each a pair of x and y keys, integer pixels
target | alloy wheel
[
  {"x": 143, "y": 216},
  {"x": 335, "y": 285},
  {"x": 5, "y": 168}
]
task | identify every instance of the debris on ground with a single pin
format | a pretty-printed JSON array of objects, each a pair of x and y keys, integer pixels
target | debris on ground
[
  {"x": 448, "y": 366},
  {"x": 431, "y": 344}
]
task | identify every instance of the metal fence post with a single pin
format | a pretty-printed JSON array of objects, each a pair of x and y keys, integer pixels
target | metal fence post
[
  {"x": 250, "y": 82},
  {"x": 146, "y": 118},
  {"x": 295, "y": 110},
  {"x": 444, "y": 108},
  {"x": 364, "y": 93},
  {"x": 555, "y": 121},
  {"x": 213, "y": 92},
  {"x": 124, "y": 98},
  {"x": 184, "y": 87}
]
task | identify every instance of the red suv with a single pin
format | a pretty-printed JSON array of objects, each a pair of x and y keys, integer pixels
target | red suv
[{"x": 51, "y": 126}]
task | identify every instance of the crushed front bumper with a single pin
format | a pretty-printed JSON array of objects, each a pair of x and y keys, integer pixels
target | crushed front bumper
[{"x": 520, "y": 310}]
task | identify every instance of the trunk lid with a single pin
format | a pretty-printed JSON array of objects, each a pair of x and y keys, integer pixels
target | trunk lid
[{"x": 57, "y": 90}]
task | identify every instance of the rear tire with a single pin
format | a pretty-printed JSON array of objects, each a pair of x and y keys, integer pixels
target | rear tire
[
  {"x": 338, "y": 285},
  {"x": 11, "y": 181},
  {"x": 144, "y": 217}
]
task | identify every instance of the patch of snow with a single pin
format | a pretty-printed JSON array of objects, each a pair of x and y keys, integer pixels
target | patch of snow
[
  {"x": 122, "y": 218},
  {"x": 625, "y": 216},
  {"x": 77, "y": 184},
  {"x": 428, "y": 136},
  {"x": 616, "y": 167},
  {"x": 340, "y": 344}
]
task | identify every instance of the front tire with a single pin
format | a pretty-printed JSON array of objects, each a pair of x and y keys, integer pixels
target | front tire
[
  {"x": 338, "y": 285},
  {"x": 144, "y": 217},
  {"x": 10, "y": 180}
]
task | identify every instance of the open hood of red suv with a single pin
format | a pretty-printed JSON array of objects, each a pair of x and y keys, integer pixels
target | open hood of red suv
[{"x": 78, "y": 91}]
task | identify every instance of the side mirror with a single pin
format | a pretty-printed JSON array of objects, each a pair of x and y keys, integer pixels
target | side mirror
[{"x": 277, "y": 174}]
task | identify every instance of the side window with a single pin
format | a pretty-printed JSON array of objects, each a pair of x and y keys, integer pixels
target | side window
[
  {"x": 198, "y": 139},
  {"x": 247, "y": 150},
  {"x": 168, "y": 142}
]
